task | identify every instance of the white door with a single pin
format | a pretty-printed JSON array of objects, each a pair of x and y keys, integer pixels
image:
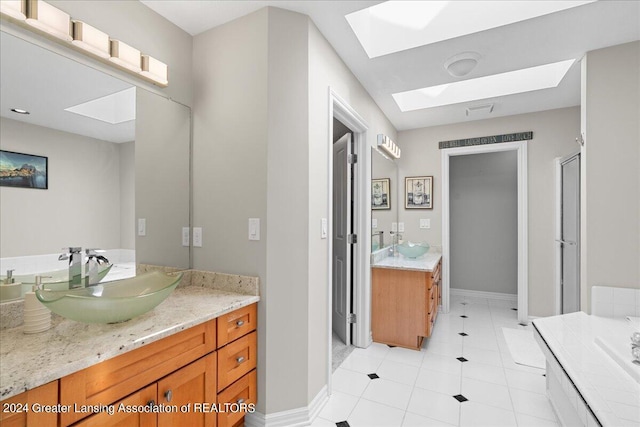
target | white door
[
  {"x": 570, "y": 234},
  {"x": 341, "y": 281}
]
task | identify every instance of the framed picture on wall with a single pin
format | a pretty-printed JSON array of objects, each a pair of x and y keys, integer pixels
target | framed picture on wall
[
  {"x": 418, "y": 192},
  {"x": 23, "y": 170},
  {"x": 381, "y": 193}
]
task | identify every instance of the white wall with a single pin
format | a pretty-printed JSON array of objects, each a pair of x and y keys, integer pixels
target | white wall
[
  {"x": 554, "y": 134},
  {"x": 611, "y": 170},
  {"x": 484, "y": 222},
  {"x": 81, "y": 206},
  {"x": 127, "y": 195}
]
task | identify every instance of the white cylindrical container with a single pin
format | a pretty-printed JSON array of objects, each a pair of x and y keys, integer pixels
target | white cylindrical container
[{"x": 37, "y": 317}]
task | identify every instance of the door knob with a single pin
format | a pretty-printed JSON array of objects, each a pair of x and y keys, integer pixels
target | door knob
[{"x": 168, "y": 395}]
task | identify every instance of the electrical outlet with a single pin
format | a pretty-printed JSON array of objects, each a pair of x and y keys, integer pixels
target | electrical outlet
[
  {"x": 142, "y": 227},
  {"x": 394, "y": 227},
  {"x": 185, "y": 236},
  {"x": 401, "y": 227},
  {"x": 197, "y": 237}
]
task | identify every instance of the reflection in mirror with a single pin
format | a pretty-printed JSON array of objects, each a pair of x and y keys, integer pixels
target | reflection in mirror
[
  {"x": 384, "y": 199},
  {"x": 84, "y": 122}
]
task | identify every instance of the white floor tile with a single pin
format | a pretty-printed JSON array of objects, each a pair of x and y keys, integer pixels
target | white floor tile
[
  {"x": 440, "y": 382},
  {"x": 477, "y": 414},
  {"x": 406, "y": 356},
  {"x": 321, "y": 422},
  {"x": 483, "y": 372},
  {"x": 434, "y": 405},
  {"x": 445, "y": 348},
  {"x": 534, "y": 382},
  {"x": 372, "y": 414},
  {"x": 486, "y": 393},
  {"x": 481, "y": 355},
  {"x": 349, "y": 382},
  {"x": 339, "y": 407},
  {"x": 388, "y": 393},
  {"x": 534, "y": 404},
  {"x": 398, "y": 372},
  {"x": 413, "y": 420},
  {"x": 484, "y": 341},
  {"x": 438, "y": 362},
  {"x": 529, "y": 421},
  {"x": 360, "y": 362},
  {"x": 375, "y": 350}
]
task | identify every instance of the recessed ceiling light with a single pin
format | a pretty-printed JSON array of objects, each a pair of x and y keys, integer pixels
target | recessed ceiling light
[
  {"x": 20, "y": 111},
  {"x": 512, "y": 82},
  {"x": 394, "y": 26}
]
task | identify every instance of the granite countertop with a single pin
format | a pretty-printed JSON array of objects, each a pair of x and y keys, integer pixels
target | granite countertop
[
  {"x": 427, "y": 262},
  {"x": 28, "y": 361},
  {"x": 611, "y": 392}
]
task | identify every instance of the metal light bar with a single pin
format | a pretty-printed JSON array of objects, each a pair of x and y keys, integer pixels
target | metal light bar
[{"x": 388, "y": 146}]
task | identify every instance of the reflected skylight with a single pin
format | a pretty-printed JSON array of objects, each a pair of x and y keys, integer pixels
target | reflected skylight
[
  {"x": 394, "y": 26},
  {"x": 116, "y": 108},
  {"x": 512, "y": 82}
]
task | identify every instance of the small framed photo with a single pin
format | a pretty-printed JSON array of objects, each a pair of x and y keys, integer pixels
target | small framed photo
[
  {"x": 381, "y": 193},
  {"x": 418, "y": 192},
  {"x": 23, "y": 170}
]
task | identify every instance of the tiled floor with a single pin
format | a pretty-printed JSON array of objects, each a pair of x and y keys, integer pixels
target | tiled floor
[{"x": 459, "y": 380}]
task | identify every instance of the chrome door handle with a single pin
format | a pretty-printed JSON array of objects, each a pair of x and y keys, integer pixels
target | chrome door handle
[
  {"x": 240, "y": 359},
  {"x": 239, "y": 323},
  {"x": 566, "y": 242},
  {"x": 168, "y": 395}
]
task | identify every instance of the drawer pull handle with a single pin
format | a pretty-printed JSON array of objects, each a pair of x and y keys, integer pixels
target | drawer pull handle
[
  {"x": 240, "y": 359},
  {"x": 240, "y": 401},
  {"x": 151, "y": 403},
  {"x": 239, "y": 323},
  {"x": 168, "y": 395}
]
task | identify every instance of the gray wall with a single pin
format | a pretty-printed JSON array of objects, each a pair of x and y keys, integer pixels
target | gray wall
[
  {"x": 127, "y": 195},
  {"x": 81, "y": 206},
  {"x": 554, "y": 134},
  {"x": 611, "y": 170},
  {"x": 483, "y": 192}
]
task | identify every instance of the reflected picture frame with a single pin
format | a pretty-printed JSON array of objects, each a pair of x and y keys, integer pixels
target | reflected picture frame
[
  {"x": 21, "y": 170},
  {"x": 418, "y": 192},
  {"x": 381, "y": 193}
]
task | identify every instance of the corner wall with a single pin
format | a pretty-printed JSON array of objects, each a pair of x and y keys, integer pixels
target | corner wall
[{"x": 554, "y": 134}]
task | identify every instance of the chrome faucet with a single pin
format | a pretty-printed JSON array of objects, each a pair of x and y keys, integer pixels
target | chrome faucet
[
  {"x": 75, "y": 266},
  {"x": 91, "y": 269},
  {"x": 395, "y": 240}
]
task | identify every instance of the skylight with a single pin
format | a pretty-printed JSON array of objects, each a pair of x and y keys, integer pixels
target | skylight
[
  {"x": 394, "y": 26},
  {"x": 116, "y": 108},
  {"x": 512, "y": 82}
]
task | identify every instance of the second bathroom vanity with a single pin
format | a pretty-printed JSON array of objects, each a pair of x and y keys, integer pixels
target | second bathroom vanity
[{"x": 406, "y": 293}]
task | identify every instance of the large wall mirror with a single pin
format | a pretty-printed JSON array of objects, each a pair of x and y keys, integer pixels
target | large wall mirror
[
  {"x": 115, "y": 153},
  {"x": 384, "y": 200}
]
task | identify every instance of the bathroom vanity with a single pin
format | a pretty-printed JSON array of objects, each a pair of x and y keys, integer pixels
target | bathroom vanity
[
  {"x": 405, "y": 297},
  {"x": 191, "y": 361}
]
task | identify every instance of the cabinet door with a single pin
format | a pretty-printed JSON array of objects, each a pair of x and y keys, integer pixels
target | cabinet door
[
  {"x": 126, "y": 413},
  {"x": 187, "y": 387},
  {"x": 17, "y": 410}
]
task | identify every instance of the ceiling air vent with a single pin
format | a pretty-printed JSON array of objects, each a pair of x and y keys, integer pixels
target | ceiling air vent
[{"x": 479, "y": 111}]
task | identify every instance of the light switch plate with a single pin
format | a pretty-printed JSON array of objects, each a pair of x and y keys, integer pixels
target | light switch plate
[
  {"x": 185, "y": 236},
  {"x": 401, "y": 227},
  {"x": 197, "y": 237},
  {"x": 425, "y": 223},
  {"x": 142, "y": 226},
  {"x": 323, "y": 228},
  {"x": 254, "y": 228},
  {"x": 374, "y": 223},
  {"x": 394, "y": 227}
]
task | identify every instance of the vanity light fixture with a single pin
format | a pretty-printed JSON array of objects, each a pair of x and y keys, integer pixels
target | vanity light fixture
[
  {"x": 91, "y": 39},
  {"x": 388, "y": 146},
  {"x": 154, "y": 69},
  {"x": 20, "y": 111},
  {"x": 16, "y": 9},
  {"x": 125, "y": 56},
  {"x": 49, "y": 19}
]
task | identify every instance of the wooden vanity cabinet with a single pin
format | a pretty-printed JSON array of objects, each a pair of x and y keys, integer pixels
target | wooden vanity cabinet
[
  {"x": 19, "y": 411},
  {"x": 404, "y": 305}
]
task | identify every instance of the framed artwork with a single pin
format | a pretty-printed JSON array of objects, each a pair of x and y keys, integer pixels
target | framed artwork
[
  {"x": 23, "y": 170},
  {"x": 381, "y": 193},
  {"x": 418, "y": 192}
]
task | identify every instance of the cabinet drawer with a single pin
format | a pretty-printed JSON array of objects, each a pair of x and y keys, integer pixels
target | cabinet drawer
[
  {"x": 233, "y": 325},
  {"x": 14, "y": 411},
  {"x": 143, "y": 397},
  {"x": 113, "y": 379},
  {"x": 236, "y": 359},
  {"x": 242, "y": 392}
]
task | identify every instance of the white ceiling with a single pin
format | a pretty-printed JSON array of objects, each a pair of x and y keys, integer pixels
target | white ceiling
[
  {"x": 559, "y": 36},
  {"x": 45, "y": 84}
]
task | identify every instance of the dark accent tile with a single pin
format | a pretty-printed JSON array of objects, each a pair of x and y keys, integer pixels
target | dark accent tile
[
  {"x": 464, "y": 317},
  {"x": 514, "y": 309},
  {"x": 464, "y": 303},
  {"x": 544, "y": 375},
  {"x": 463, "y": 334},
  {"x": 460, "y": 398},
  {"x": 462, "y": 359},
  {"x": 373, "y": 376},
  {"x": 342, "y": 424}
]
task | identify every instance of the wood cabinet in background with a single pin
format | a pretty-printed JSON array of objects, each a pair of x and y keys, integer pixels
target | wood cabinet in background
[
  {"x": 19, "y": 410},
  {"x": 404, "y": 305}
]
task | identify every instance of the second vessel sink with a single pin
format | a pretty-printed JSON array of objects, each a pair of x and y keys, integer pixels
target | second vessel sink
[
  {"x": 413, "y": 250},
  {"x": 111, "y": 302}
]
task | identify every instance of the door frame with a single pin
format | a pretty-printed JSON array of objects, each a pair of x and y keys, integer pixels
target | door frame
[
  {"x": 558, "y": 230},
  {"x": 523, "y": 238},
  {"x": 361, "y": 337}
]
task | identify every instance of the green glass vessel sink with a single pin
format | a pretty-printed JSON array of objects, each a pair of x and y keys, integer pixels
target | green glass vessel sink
[
  {"x": 111, "y": 302},
  {"x": 413, "y": 250}
]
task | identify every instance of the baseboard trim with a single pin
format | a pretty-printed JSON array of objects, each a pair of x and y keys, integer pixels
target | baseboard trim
[
  {"x": 483, "y": 294},
  {"x": 298, "y": 417}
]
